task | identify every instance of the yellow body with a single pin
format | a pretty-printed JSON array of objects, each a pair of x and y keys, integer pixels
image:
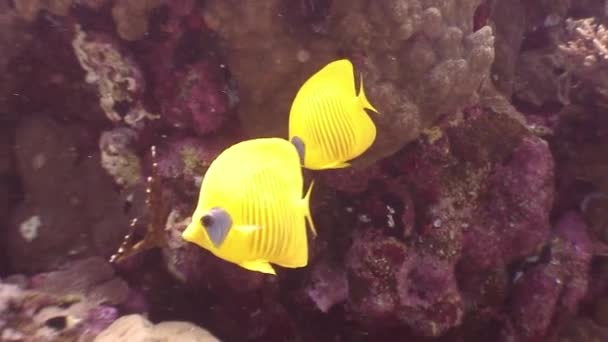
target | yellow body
[
  {"x": 259, "y": 183},
  {"x": 330, "y": 118}
]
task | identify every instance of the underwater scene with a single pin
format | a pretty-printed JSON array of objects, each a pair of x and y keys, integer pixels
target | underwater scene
[{"x": 304, "y": 170}]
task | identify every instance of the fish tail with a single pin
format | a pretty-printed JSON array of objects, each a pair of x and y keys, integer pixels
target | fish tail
[
  {"x": 362, "y": 98},
  {"x": 306, "y": 207}
]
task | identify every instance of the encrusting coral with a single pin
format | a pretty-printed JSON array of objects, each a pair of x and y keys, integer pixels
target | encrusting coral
[{"x": 118, "y": 78}]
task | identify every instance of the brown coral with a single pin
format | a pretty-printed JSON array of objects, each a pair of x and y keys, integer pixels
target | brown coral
[
  {"x": 28, "y": 9},
  {"x": 421, "y": 60},
  {"x": 131, "y": 17}
]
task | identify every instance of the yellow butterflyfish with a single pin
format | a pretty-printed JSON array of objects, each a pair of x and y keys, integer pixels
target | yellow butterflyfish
[
  {"x": 250, "y": 209},
  {"x": 328, "y": 123}
]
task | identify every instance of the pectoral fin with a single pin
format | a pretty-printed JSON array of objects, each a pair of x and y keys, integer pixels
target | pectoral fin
[
  {"x": 258, "y": 266},
  {"x": 248, "y": 229}
]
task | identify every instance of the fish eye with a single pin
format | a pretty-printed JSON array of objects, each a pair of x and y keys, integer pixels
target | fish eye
[{"x": 207, "y": 220}]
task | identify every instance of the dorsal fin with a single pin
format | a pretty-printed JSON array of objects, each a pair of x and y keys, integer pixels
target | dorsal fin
[
  {"x": 339, "y": 74},
  {"x": 362, "y": 98}
]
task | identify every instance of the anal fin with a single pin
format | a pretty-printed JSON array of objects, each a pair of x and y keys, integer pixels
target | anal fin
[
  {"x": 258, "y": 266},
  {"x": 336, "y": 165}
]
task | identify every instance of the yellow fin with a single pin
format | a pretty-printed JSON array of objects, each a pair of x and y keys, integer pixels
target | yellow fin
[
  {"x": 258, "y": 266},
  {"x": 306, "y": 206},
  {"x": 362, "y": 98},
  {"x": 301, "y": 260},
  {"x": 336, "y": 165},
  {"x": 338, "y": 74}
]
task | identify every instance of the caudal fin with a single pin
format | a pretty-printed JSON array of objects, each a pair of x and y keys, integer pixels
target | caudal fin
[
  {"x": 362, "y": 98},
  {"x": 306, "y": 207}
]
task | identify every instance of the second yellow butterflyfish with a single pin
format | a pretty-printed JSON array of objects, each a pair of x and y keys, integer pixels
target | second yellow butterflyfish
[{"x": 328, "y": 123}]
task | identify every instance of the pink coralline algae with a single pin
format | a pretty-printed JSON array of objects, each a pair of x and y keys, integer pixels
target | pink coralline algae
[
  {"x": 418, "y": 232},
  {"x": 514, "y": 219},
  {"x": 549, "y": 293},
  {"x": 197, "y": 100},
  {"x": 390, "y": 284},
  {"x": 328, "y": 286}
]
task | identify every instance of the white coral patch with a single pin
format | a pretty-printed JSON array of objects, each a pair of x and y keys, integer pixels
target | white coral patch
[{"x": 29, "y": 228}]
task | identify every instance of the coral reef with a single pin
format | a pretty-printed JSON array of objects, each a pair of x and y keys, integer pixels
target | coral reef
[{"x": 479, "y": 214}]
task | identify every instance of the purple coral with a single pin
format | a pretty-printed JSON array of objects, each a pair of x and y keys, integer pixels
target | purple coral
[
  {"x": 328, "y": 286},
  {"x": 550, "y": 292},
  {"x": 198, "y": 100},
  {"x": 515, "y": 217},
  {"x": 391, "y": 285}
]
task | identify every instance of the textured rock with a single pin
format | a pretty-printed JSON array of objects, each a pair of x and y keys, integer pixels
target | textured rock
[
  {"x": 515, "y": 217},
  {"x": 136, "y": 328},
  {"x": 198, "y": 100},
  {"x": 131, "y": 17},
  {"x": 69, "y": 197},
  {"x": 11, "y": 34},
  {"x": 29, "y": 9},
  {"x": 119, "y": 80},
  {"x": 74, "y": 303},
  {"x": 118, "y": 157},
  {"x": 549, "y": 293},
  {"x": 328, "y": 287},
  {"x": 261, "y": 42},
  {"x": 390, "y": 285}
]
